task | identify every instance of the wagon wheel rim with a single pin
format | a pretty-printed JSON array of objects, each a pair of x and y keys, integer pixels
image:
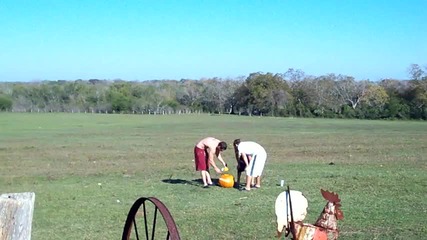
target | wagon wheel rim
[{"x": 131, "y": 222}]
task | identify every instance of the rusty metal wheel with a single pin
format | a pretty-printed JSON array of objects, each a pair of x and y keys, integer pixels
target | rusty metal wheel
[{"x": 143, "y": 215}]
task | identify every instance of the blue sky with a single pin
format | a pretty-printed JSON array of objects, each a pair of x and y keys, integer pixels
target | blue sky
[{"x": 165, "y": 39}]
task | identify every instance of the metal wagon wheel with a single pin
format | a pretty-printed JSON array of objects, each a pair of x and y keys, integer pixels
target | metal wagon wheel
[{"x": 150, "y": 208}]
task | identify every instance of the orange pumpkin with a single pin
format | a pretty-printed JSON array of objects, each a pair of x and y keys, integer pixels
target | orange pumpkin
[{"x": 226, "y": 180}]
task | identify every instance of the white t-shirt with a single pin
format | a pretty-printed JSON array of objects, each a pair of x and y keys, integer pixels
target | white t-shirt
[
  {"x": 250, "y": 148},
  {"x": 258, "y": 154}
]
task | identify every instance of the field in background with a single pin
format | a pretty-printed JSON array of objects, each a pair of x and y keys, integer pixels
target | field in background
[{"x": 88, "y": 169}]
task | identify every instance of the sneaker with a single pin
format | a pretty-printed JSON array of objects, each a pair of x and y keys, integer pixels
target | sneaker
[
  {"x": 245, "y": 190},
  {"x": 205, "y": 186}
]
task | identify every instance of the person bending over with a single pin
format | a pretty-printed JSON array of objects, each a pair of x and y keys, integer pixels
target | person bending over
[
  {"x": 254, "y": 157},
  {"x": 204, "y": 153}
]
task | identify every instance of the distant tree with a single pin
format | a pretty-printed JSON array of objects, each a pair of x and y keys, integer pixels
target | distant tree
[
  {"x": 397, "y": 108},
  {"x": 5, "y": 103},
  {"x": 96, "y": 97},
  {"x": 415, "y": 72},
  {"x": 294, "y": 75},
  {"x": 394, "y": 87},
  {"x": 190, "y": 94},
  {"x": 241, "y": 98},
  {"x": 150, "y": 99},
  {"x": 119, "y": 95},
  {"x": 349, "y": 91},
  {"x": 213, "y": 99},
  {"x": 375, "y": 96},
  {"x": 268, "y": 93},
  {"x": 167, "y": 96},
  {"x": 22, "y": 100},
  {"x": 228, "y": 87},
  {"x": 292, "y": 93},
  {"x": 416, "y": 96},
  {"x": 324, "y": 98},
  {"x": 374, "y": 102},
  {"x": 315, "y": 95}
]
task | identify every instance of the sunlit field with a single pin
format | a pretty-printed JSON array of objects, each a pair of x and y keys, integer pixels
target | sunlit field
[{"x": 88, "y": 169}]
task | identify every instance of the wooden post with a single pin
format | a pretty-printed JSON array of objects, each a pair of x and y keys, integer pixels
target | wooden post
[{"x": 16, "y": 215}]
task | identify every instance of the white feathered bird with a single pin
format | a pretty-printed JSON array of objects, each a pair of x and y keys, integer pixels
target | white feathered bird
[{"x": 283, "y": 211}]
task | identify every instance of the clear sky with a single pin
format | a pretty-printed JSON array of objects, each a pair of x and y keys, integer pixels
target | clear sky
[{"x": 175, "y": 39}]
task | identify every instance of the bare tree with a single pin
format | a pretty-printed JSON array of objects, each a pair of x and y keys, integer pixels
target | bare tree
[
  {"x": 415, "y": 72},
  {"x": 350, "y": 91}
]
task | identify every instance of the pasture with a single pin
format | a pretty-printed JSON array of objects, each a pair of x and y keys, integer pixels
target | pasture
[{"x": 88, "y": 169}]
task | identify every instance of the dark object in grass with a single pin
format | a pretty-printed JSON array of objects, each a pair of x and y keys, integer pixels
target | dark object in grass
[{"x": 331, "y": 163}]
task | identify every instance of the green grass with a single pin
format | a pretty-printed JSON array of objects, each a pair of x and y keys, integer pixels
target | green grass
[{"x": 80, "y": 165}]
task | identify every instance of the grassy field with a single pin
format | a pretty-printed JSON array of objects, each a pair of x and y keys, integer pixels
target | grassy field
[{"x": 88, "y": 169}]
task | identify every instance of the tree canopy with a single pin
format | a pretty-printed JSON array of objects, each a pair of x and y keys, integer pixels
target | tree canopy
[{"x": 292, "y": 93}]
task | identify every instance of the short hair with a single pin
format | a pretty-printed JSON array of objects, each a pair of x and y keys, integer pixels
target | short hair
[
  {"x": 222, "y": 146},
  {"x": 236, "y": 142}
]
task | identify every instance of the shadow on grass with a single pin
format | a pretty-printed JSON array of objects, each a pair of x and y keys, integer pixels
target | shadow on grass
[
  {"x": 198, "y": 182},
  {"x": 195, "y": 182}
]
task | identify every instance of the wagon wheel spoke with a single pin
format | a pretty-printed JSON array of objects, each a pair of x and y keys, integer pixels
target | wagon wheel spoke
[{"x": 152, "y": 226}]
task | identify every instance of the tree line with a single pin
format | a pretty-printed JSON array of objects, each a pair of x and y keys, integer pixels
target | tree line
[{"x": 292, "y": 93}]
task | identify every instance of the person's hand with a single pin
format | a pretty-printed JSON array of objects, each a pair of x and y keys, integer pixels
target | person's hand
[
  {"x": 217, "y": 170},
  {"x": 225, "y": 168}
]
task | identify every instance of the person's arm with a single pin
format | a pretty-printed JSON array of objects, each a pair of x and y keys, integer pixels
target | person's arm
[
  {"x": 245, "y": 159},
  {"x": 211, "y": 160},
  {"x": 218, "y": 155}
]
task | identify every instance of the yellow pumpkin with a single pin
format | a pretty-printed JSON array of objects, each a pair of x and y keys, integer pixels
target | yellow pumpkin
[{"x": 226, "y": 180}]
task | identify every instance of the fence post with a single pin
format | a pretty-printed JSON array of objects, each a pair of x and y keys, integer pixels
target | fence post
[{"x": 16, "y": 215}]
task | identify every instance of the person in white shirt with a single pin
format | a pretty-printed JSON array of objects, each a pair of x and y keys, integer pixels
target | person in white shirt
[{"x": 254, "y": 157}]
